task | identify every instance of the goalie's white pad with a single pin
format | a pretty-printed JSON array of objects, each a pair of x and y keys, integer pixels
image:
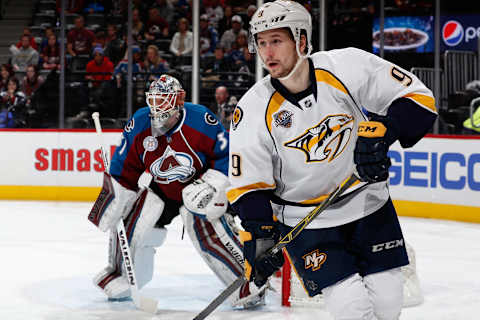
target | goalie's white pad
[
  {"x": 207, "y": 196},
  {"x": 143, "y": 238},
  {"x": 113, "y": 203},
  {"x": 219, "y": 246}
]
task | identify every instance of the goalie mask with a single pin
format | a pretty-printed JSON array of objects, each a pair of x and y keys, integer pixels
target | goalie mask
[
  {"x": 165, "y": 98},
  {"x": 282, "y": 14}
]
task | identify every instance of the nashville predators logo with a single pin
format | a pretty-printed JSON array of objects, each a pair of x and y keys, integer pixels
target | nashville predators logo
[
  {"x": 326, "y": 140},
  {"x": 236, "y": 117},
  {"x": 314, "y": 260}
]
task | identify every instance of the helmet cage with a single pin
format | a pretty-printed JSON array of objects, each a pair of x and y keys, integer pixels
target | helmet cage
[{"x": 162, "y": 99}]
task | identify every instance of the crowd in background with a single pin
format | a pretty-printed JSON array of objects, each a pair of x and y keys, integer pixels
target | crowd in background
[{"x": 96, "y": 53}]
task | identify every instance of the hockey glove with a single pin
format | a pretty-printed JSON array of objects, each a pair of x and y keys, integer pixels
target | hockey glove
[
  {"x": 257, "y": 239},
  {"x": 370, "y": 155}
]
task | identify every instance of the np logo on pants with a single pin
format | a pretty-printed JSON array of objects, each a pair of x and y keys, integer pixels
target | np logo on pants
[{"x": 314, "y": 259}]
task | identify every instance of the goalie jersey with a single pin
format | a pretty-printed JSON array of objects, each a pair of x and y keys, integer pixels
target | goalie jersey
[
  {"x": 300, "y": 146},
  {"x": 196, "y": 143}
]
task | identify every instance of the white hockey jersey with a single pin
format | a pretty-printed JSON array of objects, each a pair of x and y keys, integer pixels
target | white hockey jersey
[{"x": 303, "y": 151}]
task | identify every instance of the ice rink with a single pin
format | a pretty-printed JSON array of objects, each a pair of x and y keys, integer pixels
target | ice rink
[{"x": 50, "y": 252}]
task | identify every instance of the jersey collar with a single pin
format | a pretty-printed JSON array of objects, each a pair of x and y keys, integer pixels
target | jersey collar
[{"x": 294, "y": 98}]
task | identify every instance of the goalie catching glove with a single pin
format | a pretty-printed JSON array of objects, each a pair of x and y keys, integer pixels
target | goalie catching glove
[
  {"x": 257, "y": 239},
  {"x": 370, "y": 155}
]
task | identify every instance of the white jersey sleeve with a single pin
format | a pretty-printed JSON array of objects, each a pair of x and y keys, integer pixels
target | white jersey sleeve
[
  {"x": 376, "y": 83},
  {"x": 251, "y": 149}
]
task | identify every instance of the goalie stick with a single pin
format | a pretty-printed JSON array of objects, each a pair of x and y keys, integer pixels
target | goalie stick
[
  {"x": 142, "y": 303},
  {"x": 280, "y": 244}
]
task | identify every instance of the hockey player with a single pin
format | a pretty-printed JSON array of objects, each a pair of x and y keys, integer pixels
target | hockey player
[
  {"x": 293, "y": 139},
  {"x": 185, "y": 149}
]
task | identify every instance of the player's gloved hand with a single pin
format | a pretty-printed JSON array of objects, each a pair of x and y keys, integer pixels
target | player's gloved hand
[
  {"x": 257, "y": 239},
  {"x": 370, "y": 155}
]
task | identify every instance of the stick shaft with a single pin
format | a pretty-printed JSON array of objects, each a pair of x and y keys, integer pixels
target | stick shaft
[{"x": 280, "y": 244}]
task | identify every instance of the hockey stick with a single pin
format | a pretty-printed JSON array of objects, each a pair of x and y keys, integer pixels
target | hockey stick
[
  {"x": 280, "y": 244},
  {"x": 142, "y": 303}
]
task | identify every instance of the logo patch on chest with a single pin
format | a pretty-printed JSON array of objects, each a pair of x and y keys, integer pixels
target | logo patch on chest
[
  {"x": 326, "y": 140},
  {"x": 283, "y": 118},
  {"x": 172, "y": 166}
]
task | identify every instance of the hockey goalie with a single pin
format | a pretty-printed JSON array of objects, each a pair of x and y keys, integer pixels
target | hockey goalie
[{"x": 185, "y": 149}]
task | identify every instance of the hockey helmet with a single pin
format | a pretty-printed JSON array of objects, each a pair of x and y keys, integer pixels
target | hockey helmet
[
  {"x": 282, "y": 14},
  {"x": 165, "y": 98}
]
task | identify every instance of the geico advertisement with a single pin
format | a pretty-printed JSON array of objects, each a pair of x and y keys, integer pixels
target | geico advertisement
[
  {"x": 437, "y": 170},
  {"x": 53, "y": 158}
]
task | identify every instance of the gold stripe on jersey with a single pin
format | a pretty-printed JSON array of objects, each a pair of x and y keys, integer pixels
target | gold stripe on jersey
[
  {"x": 426, "y": 101},
  {"x": 273, "y": 106},
  {"x": 236, "y": 193},
  {"x": 328, "y": 78},
  {"x": 319, "y": 199}
]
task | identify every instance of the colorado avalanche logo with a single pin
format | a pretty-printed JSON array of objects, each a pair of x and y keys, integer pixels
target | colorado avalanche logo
[
  {"x": 172, "y": 166},
  {"x": 452, "y": 33},
  {"x": 327, "y": 139}
]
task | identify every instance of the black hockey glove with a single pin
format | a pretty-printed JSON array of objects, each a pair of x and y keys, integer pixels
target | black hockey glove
[
  {"x": 257, "y": 239},
  {"x": 370, "y": 155}
]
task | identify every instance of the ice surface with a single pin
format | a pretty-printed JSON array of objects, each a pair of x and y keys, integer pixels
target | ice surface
[{"x": 50, "y": 253}]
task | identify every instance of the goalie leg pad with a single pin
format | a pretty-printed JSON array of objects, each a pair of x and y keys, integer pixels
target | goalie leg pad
[
  {"x": 113, "y": 203},
  {"x": 220, "y": 247},
  {"x": 143, "y": 238}
]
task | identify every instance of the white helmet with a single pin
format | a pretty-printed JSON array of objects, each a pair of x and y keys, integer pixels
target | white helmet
[
  {"x": 165, "y": 98},
  {"x": 282, "y": 14}
]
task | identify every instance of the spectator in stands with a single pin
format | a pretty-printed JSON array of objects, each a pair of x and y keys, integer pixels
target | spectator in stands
[
  {"x": 166, "y": 10},
  {"x": 12, "y": 101},
  {"x": 183, "y": 9},
  {"x": 224, "y": 106},
  {"x": 236, "y": 55},
  {"x": 250, "y": 11},
  {"x": 182, "y": 42},
  {"x": 6, "y": 71},
  {"x": 154, "y": 64},
  {"x": 248, "y": 63},
  {"x": 27, "y": 32},
  {"x": 48, "y": 32},
  {"x": 138, "y": 27},
  {"x": 100, "y": 39},
  {"x": 157, "y": 27},
  {"x": 121, "y": 68},
  {"x": 102, "y": 93},
  {"x": 213, "y": 67},
  {"x": 79, "y": 39},
  {"x": 230, "y": 36},
  {"x": 51, "y": 54},
  {"x": 214, "y": 11},
  {"x": 99, "y": 64},
  {"x": 71, "y": 6},
  {"x": 226, "y": 22},
  {"x": 114, "y": 45},
  {"x": 24, "y": 56},
  {"x": 221, "y": 99},
  {"x": 31, "y": 82},
  {"x": 208, "y": 37}
]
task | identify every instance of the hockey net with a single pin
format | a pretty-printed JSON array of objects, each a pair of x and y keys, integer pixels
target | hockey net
[{"x": 294, "y": 295}]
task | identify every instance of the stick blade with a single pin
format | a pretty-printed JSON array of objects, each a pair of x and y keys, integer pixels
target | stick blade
[{"x": 148, "y": 305}]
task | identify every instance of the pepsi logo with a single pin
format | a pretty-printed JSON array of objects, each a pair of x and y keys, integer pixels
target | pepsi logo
[{"x": 452, "y": 33}]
